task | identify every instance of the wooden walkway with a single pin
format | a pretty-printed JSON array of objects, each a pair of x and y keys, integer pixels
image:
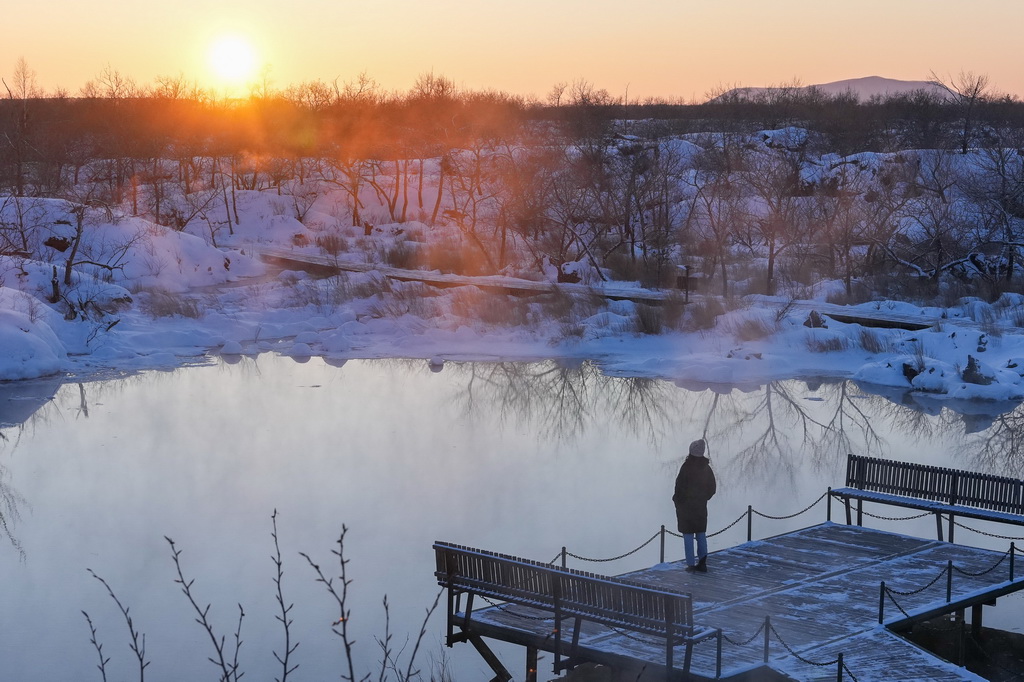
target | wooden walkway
[
  {"x": 819, "y": 588},
  {"x": 520, "y": 287}
]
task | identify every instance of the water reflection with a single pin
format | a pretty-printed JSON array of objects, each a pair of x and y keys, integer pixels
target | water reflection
[{"x": 517, "y": 457}]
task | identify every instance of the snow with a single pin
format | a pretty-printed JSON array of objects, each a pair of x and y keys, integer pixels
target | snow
[{"x": 153, "y": 297}]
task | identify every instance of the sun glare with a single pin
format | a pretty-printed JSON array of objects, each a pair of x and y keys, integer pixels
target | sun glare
[{"x": 232, "y": 61}]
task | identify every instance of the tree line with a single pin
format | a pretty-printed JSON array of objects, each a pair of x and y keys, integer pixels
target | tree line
[{"x": 748, "y": 190}]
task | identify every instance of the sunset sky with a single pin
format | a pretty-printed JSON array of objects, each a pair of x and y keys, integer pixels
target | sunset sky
[{"x": 664, "y": 48}]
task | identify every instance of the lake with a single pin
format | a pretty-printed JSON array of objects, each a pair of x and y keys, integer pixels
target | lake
[{"x": 514, "y": 457}]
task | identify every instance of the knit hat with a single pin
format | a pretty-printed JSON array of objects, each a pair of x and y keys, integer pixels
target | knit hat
[{"x": 697, "y": 448}]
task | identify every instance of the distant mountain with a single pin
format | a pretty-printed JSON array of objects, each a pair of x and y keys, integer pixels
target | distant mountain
[{"x": 863, "y": 88}]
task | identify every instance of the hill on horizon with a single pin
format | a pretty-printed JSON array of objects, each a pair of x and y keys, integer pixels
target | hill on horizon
[{"x": 864, "y": 88}]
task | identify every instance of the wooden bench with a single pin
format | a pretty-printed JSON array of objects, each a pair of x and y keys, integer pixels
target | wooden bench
[
  {"x": 929, "y": 488},
  {"x": 566, "y": 594}
]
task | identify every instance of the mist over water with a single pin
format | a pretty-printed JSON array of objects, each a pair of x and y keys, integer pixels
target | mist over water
[{"x": 513, "y": 457}]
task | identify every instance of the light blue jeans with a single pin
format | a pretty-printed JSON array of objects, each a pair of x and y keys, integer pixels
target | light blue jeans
[{"x": 702, "y": 547}]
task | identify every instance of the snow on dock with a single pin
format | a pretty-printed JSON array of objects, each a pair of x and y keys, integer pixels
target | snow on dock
[{"x": 796, "y": 602}]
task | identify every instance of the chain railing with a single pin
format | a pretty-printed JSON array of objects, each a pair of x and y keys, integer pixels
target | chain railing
[
  {"x": 768, "y": 630},
  {"x": 948, "y": 571},
  {"x": 563, "y": 555}
]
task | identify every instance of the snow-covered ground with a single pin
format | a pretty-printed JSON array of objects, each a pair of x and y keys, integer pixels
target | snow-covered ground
[{"x": 146, "y": 296}]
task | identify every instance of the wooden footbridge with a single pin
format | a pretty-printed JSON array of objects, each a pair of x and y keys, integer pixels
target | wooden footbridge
[
  {"x": 304, "y": 260},
  {"x": 825, "y": 602}
]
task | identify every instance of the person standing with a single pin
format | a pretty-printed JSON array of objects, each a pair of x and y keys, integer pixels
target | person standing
[{"x": 695, "y": 485}]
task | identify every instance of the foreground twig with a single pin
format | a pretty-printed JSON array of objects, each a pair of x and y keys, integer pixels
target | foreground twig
[
  {"x": 229, "y": 671},
  {"x": 284, "y": 618},
  {"x": 99, "y": 647},
  {"x": 138, "y": 640},
  {"x": 341, "y": 599}
]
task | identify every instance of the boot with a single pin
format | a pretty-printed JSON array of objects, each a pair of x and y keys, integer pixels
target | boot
[{"x": 702, "y": 565}]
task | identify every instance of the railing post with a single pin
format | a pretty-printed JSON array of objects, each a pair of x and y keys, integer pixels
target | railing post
[
  {"x": 767, "y": 635},
  {"x": 839, "y": 669},
  {"x": 718, "y": 656},
  {"x": 564, "y": 552},
  {"x": 828, "y": 504},
  {"x": 949, "y": 581},
  {"x": 750, "y": 523},
  {"x": 1013, "y": 553},
  {"x": 881, "y": 603},
  {"x": 662, "y": 544}
]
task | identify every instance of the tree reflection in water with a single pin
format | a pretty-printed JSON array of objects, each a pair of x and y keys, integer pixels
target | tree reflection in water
[
  {"x": 768, "y": 432},
  {"x": 760, "y": 434}
]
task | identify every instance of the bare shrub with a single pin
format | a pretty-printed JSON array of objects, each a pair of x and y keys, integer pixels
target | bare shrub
[
  {"x": 703, "y": 315},
  {"x": 859, "y": 293},
  {"x": 323, "y": 294},
  {"x": 401, "y": 255},
  {"x": 159, "y": 303},
  {"x": 648, "y": 319},
  {"x": 827, "y": 344},
  {"x": 406, "y": 298},
  {"x": 332, "y": 244},
  {"x": 673, "y": 310},
  {"x": 873, "y": 342},
  {"x": 446, "y": 255},
  {"x": 754, "y": 328},
  {"x": 472, "y": 303}
]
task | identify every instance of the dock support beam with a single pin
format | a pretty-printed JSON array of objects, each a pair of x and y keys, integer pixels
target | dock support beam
[
  {"x": 531, "y": 664},
  {"x": 501, "y": 674}
]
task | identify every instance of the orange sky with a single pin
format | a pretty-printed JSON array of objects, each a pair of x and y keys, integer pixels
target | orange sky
[{"x": 665, "y": 48}]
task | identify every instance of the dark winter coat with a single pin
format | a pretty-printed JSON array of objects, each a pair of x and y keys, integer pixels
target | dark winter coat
[{"x": 695, "y": 485}]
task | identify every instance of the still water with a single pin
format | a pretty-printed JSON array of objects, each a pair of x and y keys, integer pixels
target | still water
[{"x": 514, "y": 457}]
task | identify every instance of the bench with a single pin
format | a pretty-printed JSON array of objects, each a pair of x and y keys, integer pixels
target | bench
[
  {"x": 565, "y": 594},
  {"x": 939, "y": 490}
]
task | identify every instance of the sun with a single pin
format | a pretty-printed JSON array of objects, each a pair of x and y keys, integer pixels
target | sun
[{"x": 232, "y": 60}]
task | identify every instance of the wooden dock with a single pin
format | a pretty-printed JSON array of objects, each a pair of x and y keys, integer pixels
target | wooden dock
[{"x": 816, "y": 592}]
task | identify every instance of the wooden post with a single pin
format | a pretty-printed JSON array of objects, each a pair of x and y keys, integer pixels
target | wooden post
[
  {"x": 881, "y": 603},
  {"x": 949, "y": 581},
  {"x": 839, "y": 669},
  {"x": 938, "y": 525},
  {"x": 531, "y": 664},
  {"x": 563, "y": 556},
  {"x": 976, "y": 619},
  {"x": 718, "y": 655},
  {"x": 662, "y": 544},
  {"x": 860, "y": 512},
  {"x": 951, "y": 524},
  {"x": 750, "y": 523}
]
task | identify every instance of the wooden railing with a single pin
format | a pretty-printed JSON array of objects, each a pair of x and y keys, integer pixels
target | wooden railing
[{"x": 566, "y": 594}]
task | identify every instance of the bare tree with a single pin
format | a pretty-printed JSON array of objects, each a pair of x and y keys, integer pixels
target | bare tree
[{"x": 967, "y": 91}]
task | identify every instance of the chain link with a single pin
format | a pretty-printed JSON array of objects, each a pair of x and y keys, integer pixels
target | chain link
[
  {"x": 795, "y": 654},
  {"x": 504, "y": 609},
  {"x": 981, "y": 532},
  {"x": 913, "y": 592},
  {"x": 745, "y": 642},
  {"x": 780, "y": 518},
  {"x": 895, "y": 518},
  {"x": 850, "y": 672},
  {"x": 888, "y": 593},
  {"x": 719, "y": 532},
  {"x": 615, "y": 558},
  {"x": 985, "y": 572}
]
